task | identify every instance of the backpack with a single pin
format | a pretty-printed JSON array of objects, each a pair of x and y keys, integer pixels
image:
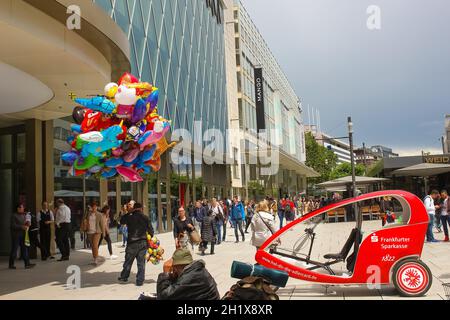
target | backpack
[{"x": 251, "y": 288}]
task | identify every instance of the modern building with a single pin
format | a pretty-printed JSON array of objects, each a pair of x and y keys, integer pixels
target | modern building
[
  {"x": 383, "y": 152},
  {"x": 446, "y": 136},
  {"x": 177, "y": 45},
  {"x": 365, "y": 156},
  {"x": 340, "y": 147},
  {"x": 260, "y": 97}
]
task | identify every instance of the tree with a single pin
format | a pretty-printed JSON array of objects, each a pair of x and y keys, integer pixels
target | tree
[
  {"x": 319, "y": 158},
  {"x": 345, "y": 169}
]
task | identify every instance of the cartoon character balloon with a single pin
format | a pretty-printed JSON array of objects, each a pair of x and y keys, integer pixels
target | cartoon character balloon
[{"x": 118, "y": 133}]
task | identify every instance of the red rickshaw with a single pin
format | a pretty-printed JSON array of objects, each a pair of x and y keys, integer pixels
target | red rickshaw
[{"x": 389, "y": 255}]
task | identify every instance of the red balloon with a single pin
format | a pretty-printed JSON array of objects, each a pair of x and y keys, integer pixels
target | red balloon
[
  {"x": 127, "y": 78},
  {"x": 91, "y": 121}
]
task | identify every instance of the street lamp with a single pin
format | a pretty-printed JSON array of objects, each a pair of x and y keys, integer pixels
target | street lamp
[{"x": 352, "y": 156}]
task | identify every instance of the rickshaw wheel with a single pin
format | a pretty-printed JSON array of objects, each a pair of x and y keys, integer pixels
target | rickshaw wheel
[{"x": 412, "y": 278}]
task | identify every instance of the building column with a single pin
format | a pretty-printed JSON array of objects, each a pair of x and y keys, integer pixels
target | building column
[
  {"x": 145, "y": 197},
  {"x": 168, "y": 192},
  {"x": 103, "y": 190},
  {"x": 118, "y": 195},
  {"x": 35, "y": 166},
  {"x": 159, "y": 202},
  {"x": 49, "y": 175}
]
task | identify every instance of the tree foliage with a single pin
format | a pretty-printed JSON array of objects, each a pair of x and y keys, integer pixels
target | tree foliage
[
  {"x": 345, "y": 169},
  {"x": 319, "y": 158}
]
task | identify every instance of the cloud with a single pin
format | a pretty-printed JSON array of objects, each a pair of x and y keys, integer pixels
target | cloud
[{"x": 416, "y": 151}]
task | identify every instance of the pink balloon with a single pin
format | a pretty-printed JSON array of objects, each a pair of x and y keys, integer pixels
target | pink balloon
[{"x": 128, "y": 174}]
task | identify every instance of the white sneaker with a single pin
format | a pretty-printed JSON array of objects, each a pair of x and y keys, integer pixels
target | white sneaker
[{"x": 113, "y": 257}]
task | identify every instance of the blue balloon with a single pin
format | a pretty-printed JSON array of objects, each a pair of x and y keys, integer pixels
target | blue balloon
[
  {"x": 99, "y": 103},
  {"x": 76, "y": 128},
  {"x": 69, "y": 157},
  {"x": 114, "y": 162},
  {"x": 109, "y": 173},
  {"x": 148, "y": 154},
  {"x": 139, "y": 111},
  {"x": 153, "y": 100}
]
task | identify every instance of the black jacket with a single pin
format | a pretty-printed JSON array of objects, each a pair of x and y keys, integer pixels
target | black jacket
[
  {"x": 17, "y": 222},
  {"x": 181, "y": 226},
  {"x": 194, "y": 283},
  {"x": 209, "y": 230},
  {"x": 138, "y": 225}
]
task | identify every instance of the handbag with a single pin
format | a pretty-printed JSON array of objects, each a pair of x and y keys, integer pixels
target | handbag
[{"x": 194, "y": 237}]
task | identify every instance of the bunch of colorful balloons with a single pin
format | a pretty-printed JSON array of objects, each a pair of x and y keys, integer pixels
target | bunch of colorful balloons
[
  {"x": 155, "y": 251},
  {"x": 118, "y": 133}
]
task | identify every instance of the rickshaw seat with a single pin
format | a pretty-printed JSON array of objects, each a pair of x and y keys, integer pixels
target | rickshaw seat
[{"x": 345, "y": 250}]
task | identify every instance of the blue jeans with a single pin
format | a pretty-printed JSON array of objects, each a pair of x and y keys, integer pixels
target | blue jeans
[
  {"x": 135, "y": 250},
  {"x": 430, "y": 236},
  {"x": 16, "y": 242},
  {"x": 445, "y": 221},
  {"x": 219, "y": 231},
  {"x": 281, "y": 216}
]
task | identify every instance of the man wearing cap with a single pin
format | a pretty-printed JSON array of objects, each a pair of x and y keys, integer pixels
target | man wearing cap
[{"x": 185, "y": 279}]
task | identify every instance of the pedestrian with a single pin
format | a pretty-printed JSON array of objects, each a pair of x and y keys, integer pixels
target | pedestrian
[
  {"x": 437, "y": 215},
  {"x": 281, "y": 214},
  {"x": 182, "y": 226},
  {"x": 62, "y": 230},
  {"x": 263, "y": 225},
  {"x": 237, "y": 216},
  {"x": 185, "y": 279},
  {"x": 445, "y": 218},
  {"x": 45, "y": 219},
  {"x": 190, "y": 210},
  {"x": 225, "y": 218},
  {"x": 199, "y": 214},
  {"x": 138, "y": 227},
  {"x": 18, "y": 227},
  {"x": 33, "y": 234},
  {"x": 95, "y": 229},
  {"x": 431, "y": 209},
  {"x": 106, "y": 234},
  {"x": 209, "y": 233},
  {"x": 289, "y": 210},
  {"x": 219, "y": 218},
  {"x": 250, "y": 210}
]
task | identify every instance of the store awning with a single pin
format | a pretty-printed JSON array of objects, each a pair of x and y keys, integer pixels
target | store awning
[
  {"x": 422, "y": 170},
  {"x": 290, "y": 163},
  {"x": 344, "y": 181}
]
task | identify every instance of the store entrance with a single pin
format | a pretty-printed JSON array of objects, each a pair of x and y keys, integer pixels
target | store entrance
[{"x": 12, "y": 178}]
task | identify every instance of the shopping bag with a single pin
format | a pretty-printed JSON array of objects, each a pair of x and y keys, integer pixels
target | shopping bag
[{"x": 194, "y": 237}]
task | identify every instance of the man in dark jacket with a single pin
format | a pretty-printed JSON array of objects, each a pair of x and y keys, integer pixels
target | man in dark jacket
[
  {"x": 19, "y": 225},
  {"x": 185, "y": 279},
  {"x": 199, "y": 214},
  {"x": 138, "y": 226}
]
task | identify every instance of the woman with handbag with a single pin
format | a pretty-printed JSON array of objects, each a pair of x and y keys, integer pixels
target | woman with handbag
[
  {"x": 182, "y": 227},
  {"x": 263, "y": 225},
  {"x": 95, "y": 229}
]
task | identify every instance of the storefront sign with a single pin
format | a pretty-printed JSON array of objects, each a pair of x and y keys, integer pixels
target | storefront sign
[
  {"x": 441, "y": 159},
  {"x": 259, "y": 99}
]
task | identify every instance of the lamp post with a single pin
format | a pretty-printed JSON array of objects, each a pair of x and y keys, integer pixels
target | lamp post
[
  {"x": 352, "y": 157},
  {"x": 356, "y": 212}
]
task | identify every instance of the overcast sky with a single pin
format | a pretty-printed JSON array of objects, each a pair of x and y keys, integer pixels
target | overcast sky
[{"x": 394, "y": 82}]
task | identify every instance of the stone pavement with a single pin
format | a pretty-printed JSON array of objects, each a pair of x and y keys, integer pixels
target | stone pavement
[{"x": 48, "y": 279}]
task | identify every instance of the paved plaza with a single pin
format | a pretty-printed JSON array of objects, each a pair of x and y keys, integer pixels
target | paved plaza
[{"x": 48, "y": 279}]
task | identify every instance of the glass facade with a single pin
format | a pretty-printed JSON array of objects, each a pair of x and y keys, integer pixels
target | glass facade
[{"x": 178, "y": 45}]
